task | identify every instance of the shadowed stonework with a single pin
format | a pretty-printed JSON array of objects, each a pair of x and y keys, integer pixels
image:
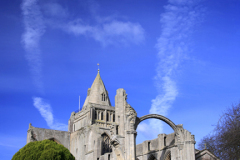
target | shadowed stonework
[{"x": 103, "y": 132}]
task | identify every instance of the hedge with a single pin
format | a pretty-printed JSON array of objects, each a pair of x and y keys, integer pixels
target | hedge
[{"x": 42, "y": 150}]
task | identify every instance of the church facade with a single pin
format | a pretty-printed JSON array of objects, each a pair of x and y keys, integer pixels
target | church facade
[{"x": 101, "y": 131}]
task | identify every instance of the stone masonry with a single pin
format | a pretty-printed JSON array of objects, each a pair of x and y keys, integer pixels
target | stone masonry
[{"x": 101, "y": 131}]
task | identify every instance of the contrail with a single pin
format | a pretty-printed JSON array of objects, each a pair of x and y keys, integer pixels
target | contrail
[
  {"x": 46, "y": 112},
  {"x": 176, "y": 24},
  {"x": 34, "y": 28}
]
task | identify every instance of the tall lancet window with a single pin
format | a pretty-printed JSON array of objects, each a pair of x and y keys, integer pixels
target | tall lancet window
[
  {"x": 106, "y": 146},
  {"x": 95, "y": 115},
  {"x": 104, "y": 97},
  {"x": 107, "y": 116},
  {"x": 101, "y": 115},
  {"x": 113, "y": 117}
]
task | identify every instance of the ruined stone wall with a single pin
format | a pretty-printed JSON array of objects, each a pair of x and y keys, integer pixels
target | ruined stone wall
[
  {"x": 39, "y": 134},
  {"x": 157, "y": 148}
]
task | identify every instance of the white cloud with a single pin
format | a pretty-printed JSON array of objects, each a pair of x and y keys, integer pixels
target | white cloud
[
  {"x": 177, "y": 23},
  {"x": 77, "y": 27},
  {"x": 46, "y": 112},
  {"x": 113, "y": 32},
  {"x": 123, "y": 31},
  {"x": 162, "y": 102},
  {"x": 34, "y": 28},
  {"x": 106, "y": 30}
]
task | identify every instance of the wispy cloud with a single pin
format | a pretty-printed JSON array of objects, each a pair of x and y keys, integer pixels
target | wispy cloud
[
  {"x": 173, "y": 46},
  {"x": 46, "y": 112},
  {"x": 106, "y": 30},
  {"x": 34, "y": 28},
  {"x": 113, "y": 32}
]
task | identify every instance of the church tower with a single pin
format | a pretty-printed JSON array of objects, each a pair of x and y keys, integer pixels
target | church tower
[
  {"x": 97, "y": 94},
  {"x": 92, "y": 126}
]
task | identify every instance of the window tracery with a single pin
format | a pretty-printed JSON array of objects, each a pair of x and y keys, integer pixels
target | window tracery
[
  {"x": 151, "y": 157},
  {"x": 106, "y": 146},
  {"x": 168, "y": 156}
]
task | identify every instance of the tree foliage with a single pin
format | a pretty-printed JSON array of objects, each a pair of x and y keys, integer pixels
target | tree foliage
[
  {"x": 224, "y": 141},
  {"x": 42, "y": 150}
]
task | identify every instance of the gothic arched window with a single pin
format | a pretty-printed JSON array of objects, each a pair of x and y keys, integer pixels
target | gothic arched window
[
  {"x": 168, "y": 156},
  {"x": 106, "y": 146},
  {"x": 151, "y": 157},
  {"x": 104, "y": 97}
]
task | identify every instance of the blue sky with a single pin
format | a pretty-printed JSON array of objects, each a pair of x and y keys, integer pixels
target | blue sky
[{"x": 178, "y": 58}]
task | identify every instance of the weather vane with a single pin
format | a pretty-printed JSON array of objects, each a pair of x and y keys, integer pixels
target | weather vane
[{"x": 98, "y": 66}]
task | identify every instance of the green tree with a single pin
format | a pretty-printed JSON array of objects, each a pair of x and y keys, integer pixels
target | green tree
[
  {"x": 42, "y": 150},
  {"x": 224, "y": 141}
]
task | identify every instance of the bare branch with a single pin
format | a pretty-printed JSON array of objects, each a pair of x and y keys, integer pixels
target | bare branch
[{"x": 224, "y": 142}]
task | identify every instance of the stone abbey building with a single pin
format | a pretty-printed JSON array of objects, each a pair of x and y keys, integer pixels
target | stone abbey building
[{"x": 101, "y": 131}]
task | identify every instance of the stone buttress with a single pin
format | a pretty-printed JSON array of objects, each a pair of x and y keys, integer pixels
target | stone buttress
[{"x": 100, "y": 131}]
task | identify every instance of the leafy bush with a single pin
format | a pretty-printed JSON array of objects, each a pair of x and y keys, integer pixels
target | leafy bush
[{"x": 42, "y": 150}]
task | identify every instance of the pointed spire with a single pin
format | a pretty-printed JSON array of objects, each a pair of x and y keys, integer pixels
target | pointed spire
[{"x": 97, "y": 93}]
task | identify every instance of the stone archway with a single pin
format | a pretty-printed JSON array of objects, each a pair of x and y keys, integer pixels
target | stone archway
[
  {"x": 156, "y": 116},
  {"x": 182, "y": 138},
  {"x": 162, "y": 118}
]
